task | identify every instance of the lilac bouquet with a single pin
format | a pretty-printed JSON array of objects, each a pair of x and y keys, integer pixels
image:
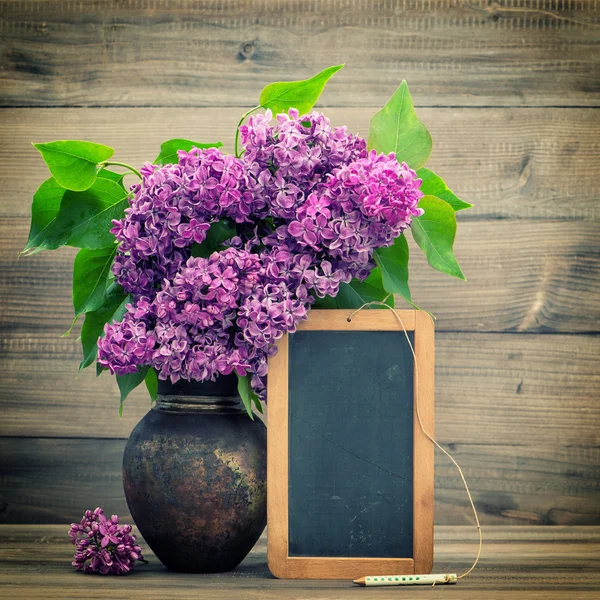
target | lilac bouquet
[
  {"x": 218, "y": 256},
  {"x": 103, "y": 546}
]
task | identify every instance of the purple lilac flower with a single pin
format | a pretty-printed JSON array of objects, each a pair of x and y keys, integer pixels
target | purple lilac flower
[
  {"x": 310, "y": 206},
  {"x": 172, "y": 209},
  {"x": 215, "y": 317},
  {"x": 291, "y": 158},
  {"x": 104, "y": 546},
  {"x": 126, "y": 344}
]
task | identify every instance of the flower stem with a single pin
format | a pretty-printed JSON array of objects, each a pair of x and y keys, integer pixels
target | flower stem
[
  {"x": 120, "y": 164},
  {"x": 237, "y": 130}
]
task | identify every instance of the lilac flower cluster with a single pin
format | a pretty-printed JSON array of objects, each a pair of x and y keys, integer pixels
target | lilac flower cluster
[
  {"x": 216, "y": 316},
  {"x": 172, "y": 209},
  {"x": 309, "y": 205},
  {"x": 103, "y": 546}
]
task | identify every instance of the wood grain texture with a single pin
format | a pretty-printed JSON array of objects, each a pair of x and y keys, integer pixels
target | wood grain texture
[
  {"x": 523, "y": 563},
  {"x": 452, "y": 52},
  {"x": 546, "y": 484},
  {"x": 516, "y": 403},
  {"x": 54, "y": 480},
  {"x": 349, "y": 320},
  {"x": 521, "y": 163},
  {"x": 490, "y": 388},
  {"x": 423, "y": 449},
  {"x": 523, "y": 276},
  {"x": 277, "y": 462},
  {"x": 346, "y": 568}
]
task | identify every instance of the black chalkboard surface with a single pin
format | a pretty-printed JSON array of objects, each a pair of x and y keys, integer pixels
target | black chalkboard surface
[
  {"x": 350, "y": 473},
  {"x": 350, "y": 402}
]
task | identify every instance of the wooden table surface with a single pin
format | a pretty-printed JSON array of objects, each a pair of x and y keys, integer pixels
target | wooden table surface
[{"x": 517, "y": 562}]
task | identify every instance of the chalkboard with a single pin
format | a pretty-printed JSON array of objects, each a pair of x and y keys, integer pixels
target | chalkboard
[
  {"x": 348, "y": 496},
  {"x": 350, "y": 476}
]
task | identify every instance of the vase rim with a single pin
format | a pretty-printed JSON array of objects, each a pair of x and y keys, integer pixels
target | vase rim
[
  {"x": 223, "y": 386},
  {"x": 199, "y": 404}
]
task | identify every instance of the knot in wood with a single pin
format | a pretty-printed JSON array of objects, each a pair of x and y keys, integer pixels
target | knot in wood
[{"x": 247, "y": 50}]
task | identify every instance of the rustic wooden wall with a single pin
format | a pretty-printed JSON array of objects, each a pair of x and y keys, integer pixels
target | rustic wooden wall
[{"x": 509, "y": 89}]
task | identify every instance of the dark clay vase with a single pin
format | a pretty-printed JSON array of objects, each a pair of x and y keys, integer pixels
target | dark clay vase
[{"x": 194, "y": 473}]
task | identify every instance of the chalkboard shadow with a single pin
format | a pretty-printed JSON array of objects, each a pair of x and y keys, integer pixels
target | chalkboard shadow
[{"x": 350, "y": 444}]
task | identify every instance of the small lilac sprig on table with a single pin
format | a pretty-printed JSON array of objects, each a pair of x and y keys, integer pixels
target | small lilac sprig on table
[{"x": 104, "y": 546}]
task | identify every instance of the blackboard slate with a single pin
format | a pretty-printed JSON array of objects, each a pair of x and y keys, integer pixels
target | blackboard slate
[{"x": 350, "y": 481}]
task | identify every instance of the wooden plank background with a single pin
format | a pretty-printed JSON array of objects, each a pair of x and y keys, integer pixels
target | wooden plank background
[{"x": 509, "y": 90}]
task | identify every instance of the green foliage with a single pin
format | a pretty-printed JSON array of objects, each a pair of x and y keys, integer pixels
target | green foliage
[
  {"x": 434, "y": 232},
  {"x": 434, "y": 185},
  {"x": 83, "y": 219},
  {"x": 219, "y": 232},
  {"x": 112, "y": 309},
  {"x": 116, "y": 177},
  {"x": 393, "y": 264},
  {"x": 76, "y": 206},
  {"x": 396, "y": 128},
  {"x": 248, "y": 396},
  {"x": 302, "y": 95},
  {"x": 356, "y": 293},
  {"x": 369, "y": 290},
  {"x": 74, "y": 164},
  {"x": 90, "y": 278},
  {"x": 168, "y": 150},
  {"x": 45, "y": 207},
  {"x": 151, "y": 382},
  {"x": 127, "y": 383}
]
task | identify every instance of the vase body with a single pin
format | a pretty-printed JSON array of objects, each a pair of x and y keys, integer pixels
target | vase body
[{"x": 194, "y": 473}]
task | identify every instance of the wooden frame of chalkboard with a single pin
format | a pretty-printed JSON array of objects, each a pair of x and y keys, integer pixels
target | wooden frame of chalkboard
[{"x": 420, "y": 560}]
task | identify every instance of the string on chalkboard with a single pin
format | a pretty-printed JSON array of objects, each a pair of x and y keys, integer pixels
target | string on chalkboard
[{"x": 427, "y": 434}]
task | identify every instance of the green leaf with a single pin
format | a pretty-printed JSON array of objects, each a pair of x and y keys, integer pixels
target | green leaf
[
  {"x": 396, "y": 128},
  {"x": 434, "y": 185},
  {"x": 257, "y": 403},
  {"x": 393, "y": 263},
  {"x": 303, "y": 94},
  {"x": 45, "y": 207},
  {"x": 73, "y": 163},
  {"x": 326, "y": 303},
  {"x": 90, "y": 278},
  {"x": 248, "y": 396},
  {"x": 84, "y": 218},
  {"x": 434, "y": 233},
  {"x": 151, "y": 382},
  {"x": 219, "y": 232},
  {"x": 356, "y": 293},
  {"x": 116, "y": 177},
  {"x": 127, "y": 383},
  {"x": 111, "y": 310},
  {"x": 369, "y": 290},
  {"x": 168, "y": 150}
]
